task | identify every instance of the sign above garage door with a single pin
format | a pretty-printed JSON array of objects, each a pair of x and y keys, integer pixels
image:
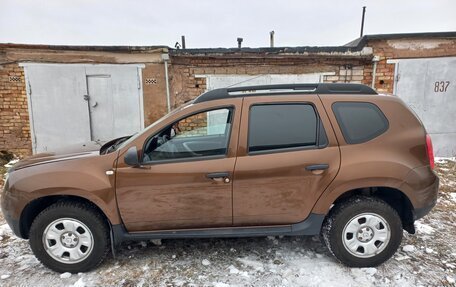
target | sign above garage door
[
  {"x": 428, "y": 86},
  {"x": 75, "y": 104}
]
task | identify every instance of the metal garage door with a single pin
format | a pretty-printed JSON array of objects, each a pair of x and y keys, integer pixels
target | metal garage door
[
  {"x": 75, "y": 104},
  {"x": 223, "y": 81},
  {"x": 428, "y": 86}
]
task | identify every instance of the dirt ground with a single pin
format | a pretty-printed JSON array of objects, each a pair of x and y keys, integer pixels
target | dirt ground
[{"x": 427, "y": 258}]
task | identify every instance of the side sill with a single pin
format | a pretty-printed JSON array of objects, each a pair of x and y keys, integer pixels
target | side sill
[{"x": 310, "y": 226}]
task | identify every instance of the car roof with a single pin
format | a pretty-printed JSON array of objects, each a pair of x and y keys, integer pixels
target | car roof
[{"x": 286, "y": 89}]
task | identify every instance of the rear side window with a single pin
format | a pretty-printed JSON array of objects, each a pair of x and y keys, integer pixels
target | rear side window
[
  {"x": 281, "y": 126},
  {"x": 359, "y": 121}
]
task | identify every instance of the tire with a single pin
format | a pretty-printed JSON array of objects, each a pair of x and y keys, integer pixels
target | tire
[
  {"x": 362, "y": 231},
  {"x": 70, "y": 237}
]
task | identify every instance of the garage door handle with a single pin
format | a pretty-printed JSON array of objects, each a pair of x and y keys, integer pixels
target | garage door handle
[
  {"x": 317, "y": 167},
  {"x": 219, "y": 176}
]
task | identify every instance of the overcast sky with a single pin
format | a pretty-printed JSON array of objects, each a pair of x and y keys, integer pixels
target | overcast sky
[{"x": 215, "y": 23}]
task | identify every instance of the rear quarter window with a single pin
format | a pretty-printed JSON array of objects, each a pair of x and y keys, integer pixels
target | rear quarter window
[{"x": 360, "y": 121}]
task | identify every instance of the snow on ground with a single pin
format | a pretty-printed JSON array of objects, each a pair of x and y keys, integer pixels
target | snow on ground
[{"x": 427, "y": 258}]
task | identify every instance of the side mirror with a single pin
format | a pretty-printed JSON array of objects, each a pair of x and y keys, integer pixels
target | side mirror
[{"x": 131, "y": 157}]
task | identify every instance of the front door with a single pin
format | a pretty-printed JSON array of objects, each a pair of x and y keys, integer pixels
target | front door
[
  {"x": 100, "y": 106},
  {"x": 287, "y": 156},
  {"x": 186, "y": 177}
]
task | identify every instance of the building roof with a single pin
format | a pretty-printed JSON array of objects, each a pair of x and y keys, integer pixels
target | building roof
[
  {"x": 353, "y": 48},
  {"x": 362, "y": 41},
  {"x": 83, "y": 48}
]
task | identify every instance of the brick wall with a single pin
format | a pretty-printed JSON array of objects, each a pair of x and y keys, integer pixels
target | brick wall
[
  {"x": 186, "y": 85},
  {"x": 185, "y": 68},
  {"x": 403, "y": 49},
  {"x": 14, "y": 119},
  {"x": 194, "y": 125}
]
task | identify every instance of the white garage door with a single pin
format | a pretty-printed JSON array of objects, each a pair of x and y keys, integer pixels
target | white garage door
[
  {"x": 428, "y": 86},
  {"x": 71, "y": 105},
  {"x": 224, "y": 81}
]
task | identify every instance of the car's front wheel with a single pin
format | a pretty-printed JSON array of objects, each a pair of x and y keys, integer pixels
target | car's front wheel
[
  {"x": 69, "y": 237},
  {"x": 362, "y": 231}
]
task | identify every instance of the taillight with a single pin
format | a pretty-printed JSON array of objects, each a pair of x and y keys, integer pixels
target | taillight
[{"x": 430, "y": 151}]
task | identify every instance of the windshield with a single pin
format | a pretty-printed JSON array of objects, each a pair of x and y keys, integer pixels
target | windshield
[{"x": 136, "y": 135}]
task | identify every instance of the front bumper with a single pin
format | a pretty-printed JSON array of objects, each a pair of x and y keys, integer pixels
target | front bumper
[{"x": 7, "y": 207}]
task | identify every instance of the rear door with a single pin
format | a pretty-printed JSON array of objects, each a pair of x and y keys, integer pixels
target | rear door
[{"x": 287, "y": 156}]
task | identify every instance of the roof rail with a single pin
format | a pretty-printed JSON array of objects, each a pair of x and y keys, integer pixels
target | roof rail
[{"x": 265, "y": 90}]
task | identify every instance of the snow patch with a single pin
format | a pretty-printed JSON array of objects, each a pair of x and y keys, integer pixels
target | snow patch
[
  {"x": 408, "y": 248},
  {"x": 79, "y": 283},
  {"x": 65, "y": 275},
  {"x": 233, "y": 270},
  {"x": 423, "y": 228},
  {"x": 11, "y": 163},
  {"x": 252, "y": 263},
  {"x": 157, "y": 242},
  {"x": 439, "y": 159}
]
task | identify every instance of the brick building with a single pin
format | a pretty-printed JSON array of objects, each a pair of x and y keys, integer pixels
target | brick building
[{"x": 59, "y": 95}]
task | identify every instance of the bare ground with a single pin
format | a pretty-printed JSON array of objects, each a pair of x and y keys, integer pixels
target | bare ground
[{"x": 427, "y": 258}]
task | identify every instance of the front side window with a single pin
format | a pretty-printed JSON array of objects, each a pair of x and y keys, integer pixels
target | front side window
[
  {"x": 203, "y": 134},
  {"x": 282, "y": 126}
]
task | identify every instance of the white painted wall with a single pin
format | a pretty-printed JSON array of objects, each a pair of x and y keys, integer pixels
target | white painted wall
[{"x": 224, "y": 81}]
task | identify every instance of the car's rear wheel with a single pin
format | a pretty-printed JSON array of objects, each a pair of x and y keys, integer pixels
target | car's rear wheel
[
  {"x": 69, "y": 237},
  {"x": 362, "y": 231}
]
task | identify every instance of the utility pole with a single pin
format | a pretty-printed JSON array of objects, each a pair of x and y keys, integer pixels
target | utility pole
[{"x": 362, "y": 21}]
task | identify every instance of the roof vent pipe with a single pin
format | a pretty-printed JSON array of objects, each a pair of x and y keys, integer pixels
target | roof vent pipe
[
  {"x": 183, "y": 42},
  {"x": 362, "y": 22},
  {"x": 239, "y": 40},
  {"x": 271, "y": 39}
]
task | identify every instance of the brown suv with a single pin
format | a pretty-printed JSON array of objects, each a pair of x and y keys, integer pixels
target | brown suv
[{"x": 304, "y": 159}]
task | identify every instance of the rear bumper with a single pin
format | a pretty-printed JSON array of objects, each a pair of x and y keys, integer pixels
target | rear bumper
[
  {"x": 422, "y": 211},
  {"x": 430, "y": 199},
  {"x": 425, "y": 192}
]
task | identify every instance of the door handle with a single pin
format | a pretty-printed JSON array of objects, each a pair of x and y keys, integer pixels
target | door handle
[
  {"x": 317, "y": 167},
  {"x": 219, "y": 176}
]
